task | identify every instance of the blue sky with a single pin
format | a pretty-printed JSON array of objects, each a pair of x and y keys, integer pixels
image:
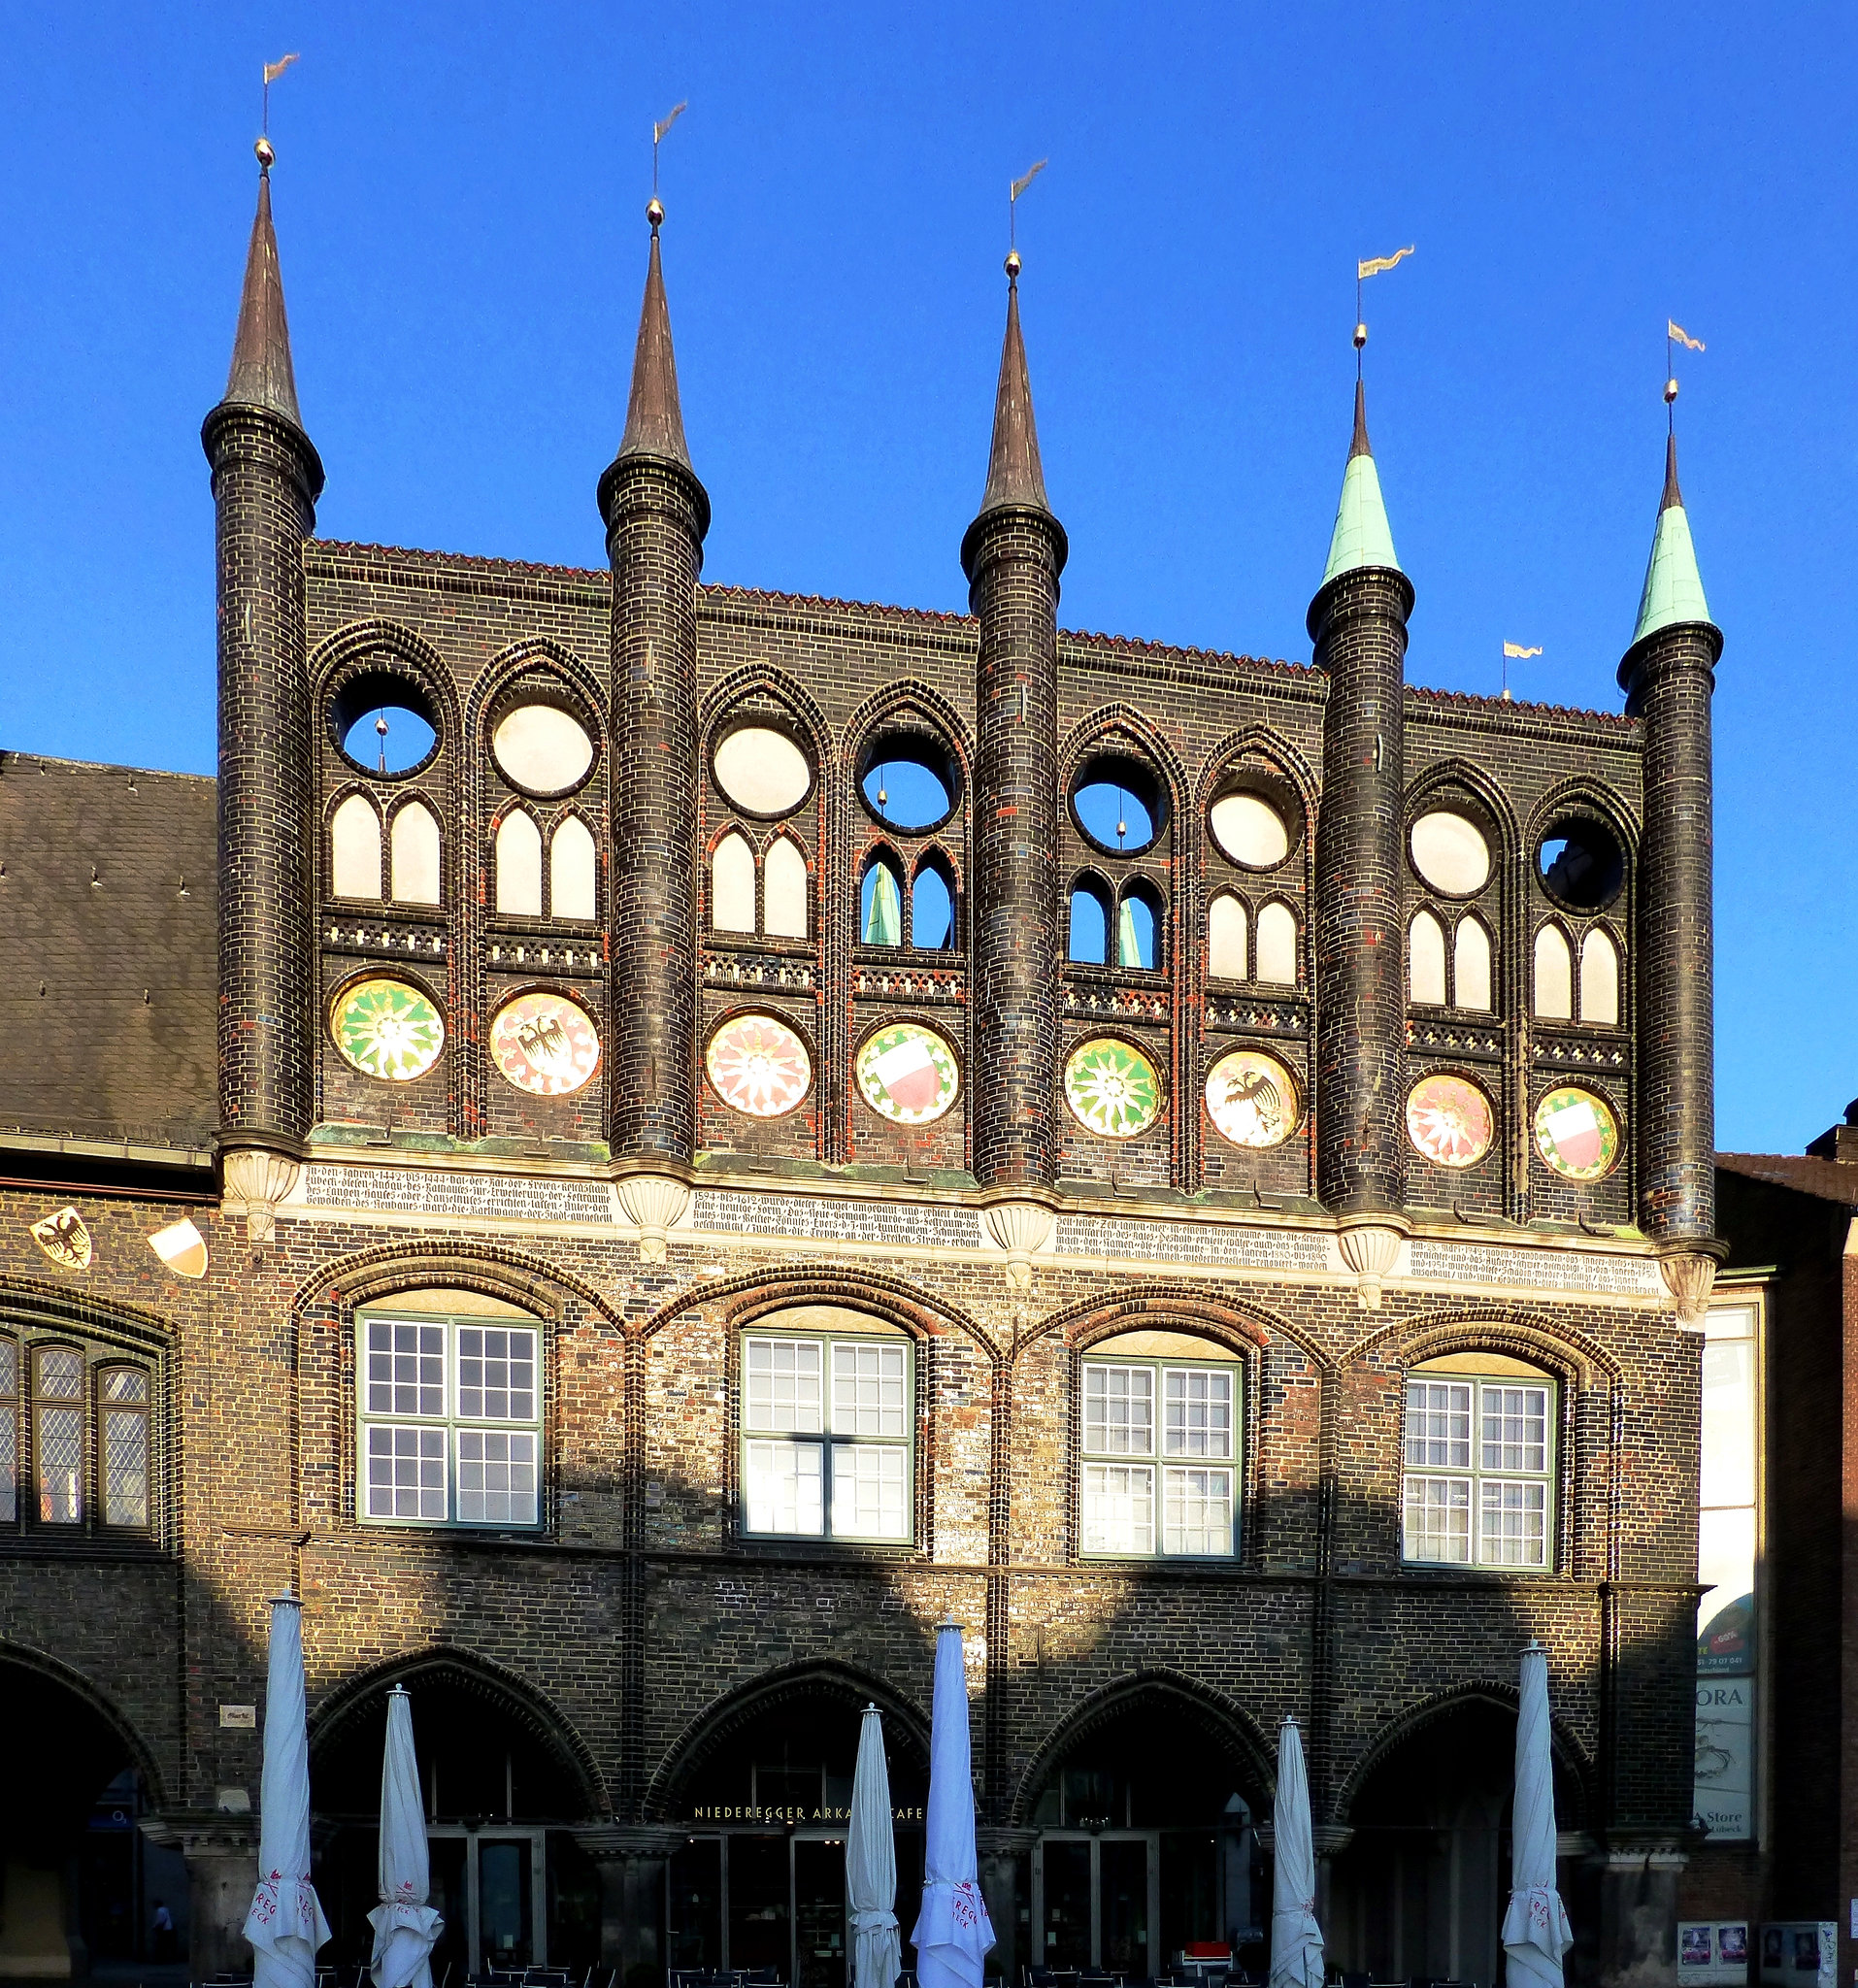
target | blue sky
[{"x": 459, "y": 200}]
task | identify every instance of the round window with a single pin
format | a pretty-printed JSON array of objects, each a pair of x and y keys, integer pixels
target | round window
[
  {"x": 1450, "y": 853},
  {"x": 383, "y": 723},
  {"x": 1581, "y": 864},
  {"x": 1118, "y": 802},
  {"x": 762, "y": 771},
  {"x": 541, "y": 749},
  {"x": 909, "y": 783},
  {"x": 1249, "y": 830}
]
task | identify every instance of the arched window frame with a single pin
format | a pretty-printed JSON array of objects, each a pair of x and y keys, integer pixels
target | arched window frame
[
  {"x": 502, "y": 822},
  {"x": 1558, "y": 926},
  {"x": 555, "y": 829},
  {"x": 726, "y": 832},
  {"x": 1474, "y": 922},
  {"x": 400, "y": 805},
  {"x": 1441, "y": 927},
  {"x": 81, "y": 1488},
  {"x": 1605, "y": 928},
  {"x": 936, "y": 860},
  {"x": 1090, "y": 883},
  {"x": 1278, "y": 902},
  {"x": 784, "y": 837},
  {"x": 1142, "y": 888},
  {"x": 349, "y": 800},
  {"x": 1225, "y": 894},
  {"x": 885, "y": 855}
]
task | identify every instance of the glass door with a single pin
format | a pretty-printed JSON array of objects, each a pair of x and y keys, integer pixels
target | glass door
[
  {"x": 819, "y": 1913},
  {"x": 1095, "y": 1902},
  {"x": 506, "y": 1902},
  {"x": 1066, "y": 1921},
  {"x": 487, "y": 1884}
]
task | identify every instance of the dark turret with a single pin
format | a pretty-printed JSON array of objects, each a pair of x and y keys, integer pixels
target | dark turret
[
  {"x": 266, "y": 480},
  {"x": 1358, "y": 624},
  {"x": 1012, "y": 554},
  {"x": 1667, "y": 674},
  {"x": 656, "y": 514}
]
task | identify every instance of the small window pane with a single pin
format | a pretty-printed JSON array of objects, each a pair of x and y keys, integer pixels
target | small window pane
[
  {"x": 867, "y": 1390},
  {"x": 406, "y": 1368},
  {"x": 125, "y": 1467},
  {"x": 125, "y": 1384},
  {"x": 1278, "y": 944},
  {"x": 60, "y": 1374},
  {"x": 8, "y": 1370},
  {"x": 59, "y": 1443},
  {"x": 869, "y": 1491},
  {"x": 8, "y": 1465},
  {"x": 496, "y": 1374},
  {"x": 1426, "y": 960},
  {"x": 783, "y": 1390},
  {"x": 1119, "y": 1410},
  {"x": 1513, "y": 1530},
  {"x": 1196, "y": 1511},
  {"x": 405, "y": 1472},
  {"x": 497, "y": 1475},
  {"x": 1438, "y": 1425},
  {"x": 1198, "y": 1409},
  {"x": 1515, "y": 1431},
  {"x": 1439, "y": 1519},
  {"x": 1118, "y": 1508},
  {"x": 783, "y": 1487}
]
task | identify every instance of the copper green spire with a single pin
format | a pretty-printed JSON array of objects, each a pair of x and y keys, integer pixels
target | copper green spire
[
  {"x": 654, "y": 419},
  {"x": 1674, "y": 588},
  {"x": 262, "y": 376},
  {"x": 1362, "y": 537}
]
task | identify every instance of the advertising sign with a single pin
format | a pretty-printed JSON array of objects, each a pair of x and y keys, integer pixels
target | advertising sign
[{"x": 1712, "y": 1953}]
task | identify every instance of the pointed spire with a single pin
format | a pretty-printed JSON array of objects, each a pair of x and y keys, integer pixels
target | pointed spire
[
  {"x": 1674, "y": 587},
  {"x": 654, "y": 418},
  {"x": 1014, "y": 476},
  {"x": 1362, "y": 536},
  {"x": 262, "y": 376}
]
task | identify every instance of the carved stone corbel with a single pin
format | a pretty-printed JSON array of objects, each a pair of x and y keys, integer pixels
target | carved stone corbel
[{"x": 255, "y": 1184}]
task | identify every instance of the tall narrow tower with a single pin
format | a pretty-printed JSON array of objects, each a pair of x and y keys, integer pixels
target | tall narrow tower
[
  {"x": 266, "y": 480},
  {"x": 657, "y": 514},
  {"x": 1358, "y": 624},
  {"x": 1012, "y": 554},
  {"x": 1669, "y": 676}
]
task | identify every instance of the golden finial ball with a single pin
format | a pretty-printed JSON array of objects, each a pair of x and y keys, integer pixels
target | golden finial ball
[
  {"x": 1361, "y": 336},
  {"x": 1671, "y": 392},
  {"x": 266, "y": 158},
  {"x": 1013, "y": 264},
  {"x": 655, "y": 211}
]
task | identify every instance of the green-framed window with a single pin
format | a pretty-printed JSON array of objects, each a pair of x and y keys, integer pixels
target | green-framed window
[
  {"x": 450, "y": 1420},
  {"x": 1158, "y": 1455},
  {"x": 1479, "y": 1464},
  {"x": 827, "y": 1422}
]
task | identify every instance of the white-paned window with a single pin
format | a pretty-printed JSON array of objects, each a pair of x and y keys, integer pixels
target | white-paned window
[
  {"x": 76, "y": 1442},
  {"x": 1478, "y": 1457},
  {"x": 825, "y": 1436},
  {"x": 1159, "y": 1473},
  {"x": 449, "y": 1429}
]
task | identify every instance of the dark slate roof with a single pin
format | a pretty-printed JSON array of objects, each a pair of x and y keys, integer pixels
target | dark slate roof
[
  {"x": 109, "y": 952},
  {"x": 1834, "y": 1180}
]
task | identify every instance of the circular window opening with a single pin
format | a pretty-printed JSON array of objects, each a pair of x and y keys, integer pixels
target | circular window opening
[
  {"x": 1450, "y": 853},
  {"x": 383, "y": 723},
  {"x": 1116, "y": 801},
  {"x": 1250, "y": 830},
  {"x": 1581, "y": 864},
  {"x": 762, "y": 771},
  {"x": 909, "y": 783},
  {"x": 542, "y": 749}
]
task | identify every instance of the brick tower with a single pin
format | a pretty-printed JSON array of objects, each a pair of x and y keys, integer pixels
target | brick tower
[
  {"x": 266, "y": 480},
  {"x": 1667, "y": 674},
  {"x": 1012, "y": 554},
  {"x": 1358, "y": 624},
  {"x": 656, "y": 514}
]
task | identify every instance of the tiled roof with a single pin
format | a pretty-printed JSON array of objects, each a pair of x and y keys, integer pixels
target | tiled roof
[
  {"x": 1835, "y": 1180},
  {"x": 108, "y": 959}
]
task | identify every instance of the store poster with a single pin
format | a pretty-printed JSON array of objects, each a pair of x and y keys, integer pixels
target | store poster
[
  {"x": 1724, "y": 1777},
  {"x": 1712, "y": 1953}
]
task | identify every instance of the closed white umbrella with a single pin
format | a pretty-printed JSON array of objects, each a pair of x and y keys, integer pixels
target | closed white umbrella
[
  {"x": 1296, "y": 1940},
  {"x": 953, "y": 1933},
  {"x": 405, "y": 1927},
  {"x": 871, "y": 1865},
  {"x": 285, "y": 1925},
  {"x": 1535, "y": 1927}
]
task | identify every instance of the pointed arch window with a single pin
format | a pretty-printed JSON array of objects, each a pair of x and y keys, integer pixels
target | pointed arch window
[
  {"x": 783, "y": 891},
  {"x": 1554, "y": 975},
  {"x": 1426, "y": 960},
  {"x": 354, "y": 849},
  {"x": 572, "y": 872},
  {"x": 520, "y": 866},
  {"x": 1471, "y": 966},
  {"x": 932, "y": 907},
  {"x": 880, "y": 903},
  {"x": 1600, "y": 979},
  {"x": 1227, "y": 935},
  {"x": 732, "y": 886},
  {"x": 1278, "y": 945},
  {"x": 1139, "y": 927},
  {"x": 414, "y": 843},
  {"x": 1088, "y": 939}
]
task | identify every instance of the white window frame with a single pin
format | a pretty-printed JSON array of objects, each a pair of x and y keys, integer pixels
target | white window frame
[
  {"x": 1482, "y": 1479},
  {"x": 1150, "y": 1474},
  {"x": 824, "y": 1454},
  {"x": 443, "y": 1428}
]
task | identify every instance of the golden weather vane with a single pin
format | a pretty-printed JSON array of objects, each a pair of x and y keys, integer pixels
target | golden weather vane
[
  {"x": 1515, "y": 652},
  {"x": 1674, "y": 336},
  {"x": 272, "y": 70},
  {"x": 1371, "y": 265},
  {"x": 658, "y": 130},
  {"x": 1013, "y": 192}
]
